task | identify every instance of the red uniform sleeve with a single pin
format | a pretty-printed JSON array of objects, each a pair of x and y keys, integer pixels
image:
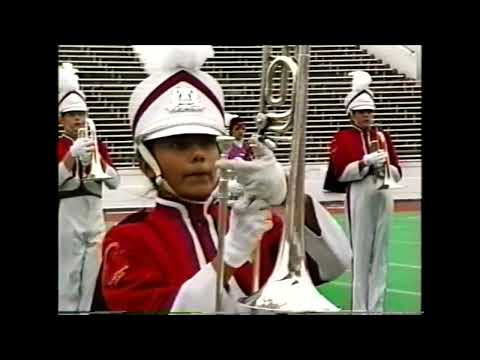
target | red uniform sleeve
[
  {"x": 392, "y": 154},
  {"x": 342, "y": 153},
  {"x": 62, "y": 149},
  {"x": 131, "y": 280}
]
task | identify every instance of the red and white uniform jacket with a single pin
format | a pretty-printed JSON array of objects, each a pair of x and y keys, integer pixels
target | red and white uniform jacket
[
  {"x": 81, "y": 227},
  {"x": 160, "y": 260},
  {"x": 346, "y": 151}
]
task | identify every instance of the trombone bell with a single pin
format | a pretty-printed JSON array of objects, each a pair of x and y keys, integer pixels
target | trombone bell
[{"x": 289, "y": 290}]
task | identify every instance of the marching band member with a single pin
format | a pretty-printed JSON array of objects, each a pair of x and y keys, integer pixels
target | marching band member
[
  {"x": 165, "y": 259},
  {"x": 353, "y": 169},
  {"x": 240, "y": 148},
  {"x": 80, "y": 213}
]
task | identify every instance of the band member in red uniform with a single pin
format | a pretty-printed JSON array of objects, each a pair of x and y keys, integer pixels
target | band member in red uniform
[
  {"x": 165, "y": 259},
  {"x": 81, "y": 223},
  {"x": 240, "y": 148},
  {"x": 357, "y": 168}
]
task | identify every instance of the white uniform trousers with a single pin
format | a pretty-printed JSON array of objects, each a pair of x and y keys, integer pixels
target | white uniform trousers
[
  {"x": 369, "y": 213},
  {"x": 81, "y": 230}
]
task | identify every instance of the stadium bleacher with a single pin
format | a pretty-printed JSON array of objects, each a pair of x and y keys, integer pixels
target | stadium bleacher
[{"x": 108, "y": 74}]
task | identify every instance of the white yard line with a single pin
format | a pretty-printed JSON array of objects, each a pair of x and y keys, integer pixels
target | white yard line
[
  {"x": 406, "y": 242},
  {"x": 396, "y": 265},
  {"x": 405, "y": 265},
  {"x": 404, "y": 292}
]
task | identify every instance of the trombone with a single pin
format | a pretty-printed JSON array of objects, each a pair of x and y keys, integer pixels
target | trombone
[
  {"x": 289, "y": 288},
  {"x": 96, "y": 171},
  {"x": 224, "y": 143},
  {"x": 272, "y": 121}
]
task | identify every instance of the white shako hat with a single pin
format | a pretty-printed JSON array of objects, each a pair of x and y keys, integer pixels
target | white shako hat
[
  {"x": 176, "y": 98},
  {"x": 361, "y": 97},
  {"x": 70, "y": 98}
]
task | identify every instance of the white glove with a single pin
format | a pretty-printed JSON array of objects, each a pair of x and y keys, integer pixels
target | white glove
[
  {"x": 262, "y": 178},
  {"x": 86, "y": 159},
  {"x": 248, "y": 223},
  {"x": 235, "y": 189},
  {"x": 81, "y": 148},
  {"x": 377, "y": 158}
]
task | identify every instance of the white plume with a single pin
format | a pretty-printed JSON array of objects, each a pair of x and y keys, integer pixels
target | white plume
[
  {"x": 67, "y": 79},
  {"x": 361, "y": 80},
  {"x": 160, "y": 58}
]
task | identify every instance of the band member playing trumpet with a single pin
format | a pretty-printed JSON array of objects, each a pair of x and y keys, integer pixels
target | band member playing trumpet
[
  {"x": 165, "y": 259},
  {"x": 358, "y": 160},
  {"x": 80, "y": 212}
]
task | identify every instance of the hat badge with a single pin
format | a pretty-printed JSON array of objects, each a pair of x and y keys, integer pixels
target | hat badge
[{"x": 184, "y": 99}]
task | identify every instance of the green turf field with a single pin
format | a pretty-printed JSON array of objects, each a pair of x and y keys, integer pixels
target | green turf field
[{"x": 404, "y": 270}]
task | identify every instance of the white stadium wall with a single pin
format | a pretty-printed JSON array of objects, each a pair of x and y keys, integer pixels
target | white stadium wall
[
  {"x": 130, "y": 194},
  {"x": 406, "y": 59}
]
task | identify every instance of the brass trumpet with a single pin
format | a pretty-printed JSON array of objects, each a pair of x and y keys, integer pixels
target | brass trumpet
[
  {"x": 384, "y": 174},
  {"x": 96, "y": 171}
]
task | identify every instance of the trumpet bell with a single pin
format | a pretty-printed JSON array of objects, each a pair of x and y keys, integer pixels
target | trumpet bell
[
  {"x": 390, "y": 186},
  {"x": 96, "y": 173},
  {"x": 96, "y": 177}
]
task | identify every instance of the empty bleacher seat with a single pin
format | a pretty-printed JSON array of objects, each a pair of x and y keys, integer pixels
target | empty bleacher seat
[{"x": 109, "y": 73}]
